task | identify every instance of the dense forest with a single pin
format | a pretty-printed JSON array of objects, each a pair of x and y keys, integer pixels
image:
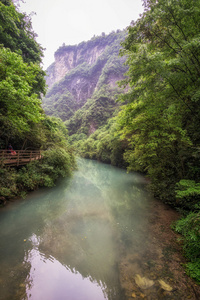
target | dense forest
[
  {"x": 23, "y": 122},
  {"x": 156, "y": 130},
  {"x": 153, "y": 128}
]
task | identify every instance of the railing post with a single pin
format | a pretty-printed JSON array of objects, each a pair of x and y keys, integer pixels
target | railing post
[
  {"x": 2, "y": 156},
  {"x": 18, "y": 158}
]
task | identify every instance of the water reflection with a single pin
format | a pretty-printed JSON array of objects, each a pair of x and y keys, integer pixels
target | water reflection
[
  {"x": 65, "y": 243},
  {"x": 50, "y": 278}
]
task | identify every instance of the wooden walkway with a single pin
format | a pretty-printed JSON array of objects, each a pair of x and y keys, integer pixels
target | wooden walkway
[{"x": 22, "y": 157}]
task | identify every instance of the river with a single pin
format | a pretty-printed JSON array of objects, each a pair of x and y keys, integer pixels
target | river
[{"x": 87, "y": 238}]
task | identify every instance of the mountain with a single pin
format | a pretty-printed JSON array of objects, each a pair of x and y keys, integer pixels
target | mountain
[{"x": 85, "y": 77}]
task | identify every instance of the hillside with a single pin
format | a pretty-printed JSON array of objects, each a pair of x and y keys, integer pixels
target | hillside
[{"x": 89, "y": 70}]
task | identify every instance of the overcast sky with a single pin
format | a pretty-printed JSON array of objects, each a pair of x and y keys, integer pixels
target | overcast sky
[{"x": 73, "y": 21}]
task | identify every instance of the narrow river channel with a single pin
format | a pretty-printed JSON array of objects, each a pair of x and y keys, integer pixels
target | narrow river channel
[{"x": 81, "y": 240}]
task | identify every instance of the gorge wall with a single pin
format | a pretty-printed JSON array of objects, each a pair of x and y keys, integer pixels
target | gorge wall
[
  {"x": 85, "y": 71},
  {"x": 68, "y": 58}
]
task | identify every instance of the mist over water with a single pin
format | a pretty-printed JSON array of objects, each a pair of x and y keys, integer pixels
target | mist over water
[{"x": 67, "y": 242}]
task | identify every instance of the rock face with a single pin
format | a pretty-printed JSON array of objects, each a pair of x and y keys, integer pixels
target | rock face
[
  {"x": 68, "y": 58},
  {"x": 79, "y": 72}
]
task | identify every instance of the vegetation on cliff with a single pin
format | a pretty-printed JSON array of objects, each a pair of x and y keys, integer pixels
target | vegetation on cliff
[
  {"x": 22, "y": 119},
  {"x": 96, "y": 66},
  {"x": 95, "y": 112}
]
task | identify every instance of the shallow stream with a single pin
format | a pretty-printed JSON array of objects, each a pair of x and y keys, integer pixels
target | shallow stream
[{"x": 71, "y": 241}]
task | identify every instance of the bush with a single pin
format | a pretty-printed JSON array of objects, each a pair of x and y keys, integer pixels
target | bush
[
  {"x": 189, "y": 227},
  {"x": 56, "y": 162},
  {"x": 8, "y": 185},
  {"x": 29, "y": 177},
  {"x": 187, "y": 193}
]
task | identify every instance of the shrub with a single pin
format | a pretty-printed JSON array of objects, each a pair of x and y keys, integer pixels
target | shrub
[
  {"x": 56, "y": 162},
  {"x": 188, "y": 193},
  {"x": 8, "y": 183},
  {"x": 189, "y": 227}
]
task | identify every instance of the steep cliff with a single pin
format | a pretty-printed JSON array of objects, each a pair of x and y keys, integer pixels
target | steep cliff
[{"x": 82, "y": 72}]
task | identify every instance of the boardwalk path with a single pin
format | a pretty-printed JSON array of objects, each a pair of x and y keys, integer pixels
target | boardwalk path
[{"x": 22, "y": 157}]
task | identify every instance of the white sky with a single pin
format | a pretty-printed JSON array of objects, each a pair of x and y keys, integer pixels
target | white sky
[{"x": 73, "y": 21}]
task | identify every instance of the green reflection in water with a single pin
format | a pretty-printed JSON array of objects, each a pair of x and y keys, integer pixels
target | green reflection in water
[{"x": 67, "y": 240}]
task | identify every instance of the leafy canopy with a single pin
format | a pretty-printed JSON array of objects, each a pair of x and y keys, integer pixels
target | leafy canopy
[
  {"x": 162, "y": 115},
  {"x": 19, "y": 102}
]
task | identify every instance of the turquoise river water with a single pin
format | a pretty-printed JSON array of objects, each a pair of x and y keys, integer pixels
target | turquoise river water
[{"x": 67, "y": 242}]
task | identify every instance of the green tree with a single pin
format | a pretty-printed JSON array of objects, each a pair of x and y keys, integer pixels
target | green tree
[
  {"x": 19, "y": 103},
  {"x": 22, "y": 120},
  {"x": 16, "y": 33},
  {"x": 22, "y": 80},
  {"x": 162, "y": 115}
]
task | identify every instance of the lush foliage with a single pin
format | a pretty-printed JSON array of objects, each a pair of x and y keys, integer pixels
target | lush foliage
[
  {"x": 18, "y": 97},
  {"x": 156, "y": 130},
  {"x": 189, "y": 227},
  {"x": 22, "y": 119},
  {"x": 56, "y": 162},
  {"x": 21, "y": 77},
  {"x": 161, "y": 118},
  {"x": 188, "y": 193},
  {"x": 94, "y": 113},
  {"x": 103, "y": 145},
  {"x": 16, "y": 33}
]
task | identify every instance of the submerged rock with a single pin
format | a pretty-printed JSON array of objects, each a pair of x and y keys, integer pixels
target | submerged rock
[
  {"x": 143, "y": 282},
  {"x": 165, "y": 286}
]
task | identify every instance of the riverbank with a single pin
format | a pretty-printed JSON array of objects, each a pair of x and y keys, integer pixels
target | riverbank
[
  {"x": 16, "y": 182},
  {"x": 161, "y": 259}
]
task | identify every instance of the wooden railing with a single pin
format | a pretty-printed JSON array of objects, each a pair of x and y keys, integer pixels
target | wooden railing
[{"x": 22, "y": 157}]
